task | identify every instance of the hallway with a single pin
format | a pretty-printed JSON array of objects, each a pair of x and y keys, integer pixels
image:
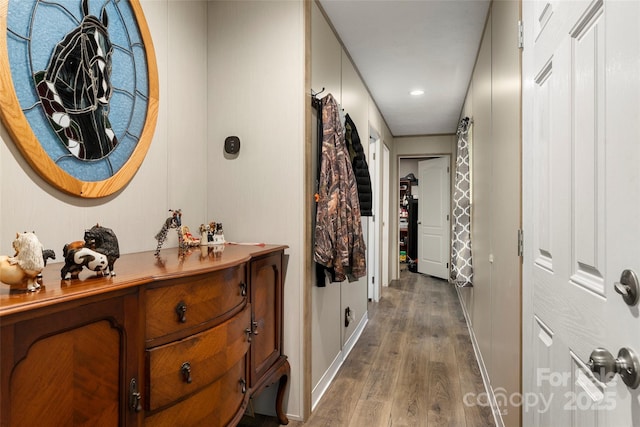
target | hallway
[{"x": 412, "y": 366}]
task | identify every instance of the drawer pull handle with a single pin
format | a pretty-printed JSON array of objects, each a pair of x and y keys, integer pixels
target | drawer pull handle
[
  {"x": 181, "y": 310},
  {"x": 255, "y": 327},
  {"x": 248, "y": 332},
  {"x": 243, "y": 383},
  {"x": 243, "y": 289},
  {"x": 186, "y": 372}
]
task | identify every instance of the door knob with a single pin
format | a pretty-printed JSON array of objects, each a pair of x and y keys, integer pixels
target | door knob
[
  {"x": 628, "y": 287},
  {"x": 627, "y": 365}
]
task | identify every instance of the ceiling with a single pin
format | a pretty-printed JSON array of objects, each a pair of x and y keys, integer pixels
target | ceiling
[{"x": 399, "y": 46}]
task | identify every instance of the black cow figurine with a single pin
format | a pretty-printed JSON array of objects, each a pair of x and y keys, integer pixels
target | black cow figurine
[{"x": 103, "y": 240}]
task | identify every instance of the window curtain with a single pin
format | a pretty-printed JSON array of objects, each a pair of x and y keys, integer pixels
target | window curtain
[{"x": 461, "y": 265}]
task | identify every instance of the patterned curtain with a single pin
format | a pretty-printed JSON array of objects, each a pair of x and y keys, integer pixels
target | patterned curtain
[{"x": 461, "y": 265}]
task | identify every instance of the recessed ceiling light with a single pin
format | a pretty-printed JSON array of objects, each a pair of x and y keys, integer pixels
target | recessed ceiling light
[{"x": 416, "y": 92}]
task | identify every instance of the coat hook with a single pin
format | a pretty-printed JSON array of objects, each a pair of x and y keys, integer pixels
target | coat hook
[{"x": 314, "y": 94}]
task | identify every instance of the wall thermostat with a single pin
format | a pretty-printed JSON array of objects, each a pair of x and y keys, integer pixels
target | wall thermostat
[{"x": 232, "y": 145}]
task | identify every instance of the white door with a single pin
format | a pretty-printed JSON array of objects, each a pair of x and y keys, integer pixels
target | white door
[
  {"x": 433, "y": 217},
  {"x": 581, "y": 207}
]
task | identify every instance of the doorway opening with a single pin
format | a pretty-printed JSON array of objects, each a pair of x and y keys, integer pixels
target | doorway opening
[
  {"x": 424, "y": 193},
  {"x": 378, "y": 224}
]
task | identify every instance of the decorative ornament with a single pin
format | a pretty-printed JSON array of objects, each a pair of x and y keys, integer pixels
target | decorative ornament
[
  {"x": 103, "y": 240},
  {"x": 174, "y": 221},
  {"x": 79, "y": 90},
  {"x": 98, "y": 252},
  {"x": 77, "y": 257},
  {"x": 212, "y": 234},
  {"x": 21, "y": 270},
  {"x": 188, "y": 240}
]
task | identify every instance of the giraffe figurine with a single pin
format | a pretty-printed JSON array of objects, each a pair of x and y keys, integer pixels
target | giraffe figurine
[{"x": 174, "y": 221}]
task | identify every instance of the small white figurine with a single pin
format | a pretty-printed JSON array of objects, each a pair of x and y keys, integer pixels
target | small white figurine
[
  {"x": 212, "y": 234},
  {"x": 21, "y": 270}
]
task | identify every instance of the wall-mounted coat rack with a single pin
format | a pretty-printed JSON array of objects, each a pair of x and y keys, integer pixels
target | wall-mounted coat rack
[
  {"x": 315, "y": 101},
  {"x": 317, "y": 104}
]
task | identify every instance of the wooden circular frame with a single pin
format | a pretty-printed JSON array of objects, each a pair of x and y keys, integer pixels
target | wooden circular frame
[{"x": 23, "y": 136}]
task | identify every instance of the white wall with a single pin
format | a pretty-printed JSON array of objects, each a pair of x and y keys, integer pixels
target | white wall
[
  {"x": 493, "y": 304},
  {"x": 355, "y": 101},
  {"x": 408, "y": 166},
  {"x": 326, "y": 321},
  {"x": 256, "y": 52}
]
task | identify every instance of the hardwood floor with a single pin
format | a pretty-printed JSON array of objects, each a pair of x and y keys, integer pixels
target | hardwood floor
[{"x": 412, "y": 366}]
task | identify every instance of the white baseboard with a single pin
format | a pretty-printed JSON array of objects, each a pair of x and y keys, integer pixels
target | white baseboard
[
  {"x": 497, "y": 416},
  {"x": 324, "y": 383},
  {"x": 355, "y": 336}
]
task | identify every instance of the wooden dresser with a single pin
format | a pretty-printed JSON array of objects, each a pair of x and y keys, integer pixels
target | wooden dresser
[{"x": 175, "y": 341}]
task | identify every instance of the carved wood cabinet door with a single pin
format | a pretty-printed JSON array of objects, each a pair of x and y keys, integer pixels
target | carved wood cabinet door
[
  {"x": 266, "y": 299},
  {"x": 72, "y": 366}
]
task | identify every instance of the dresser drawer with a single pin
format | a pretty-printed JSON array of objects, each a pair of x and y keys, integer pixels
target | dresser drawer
[
  {"x": 213, "y": 406},
  {"x": 179, "y": 305},
  {"x": 182, "y": 367}
]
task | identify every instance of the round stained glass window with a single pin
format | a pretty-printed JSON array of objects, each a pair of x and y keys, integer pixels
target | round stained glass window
[{"x": 80, "y": 94}]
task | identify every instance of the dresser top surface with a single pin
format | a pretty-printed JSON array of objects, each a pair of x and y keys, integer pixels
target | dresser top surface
[{"x": 131, "y": 270}]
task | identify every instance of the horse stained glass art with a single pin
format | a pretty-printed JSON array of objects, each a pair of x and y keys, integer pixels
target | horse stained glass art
[
  {"x": 79, "y": 90},
  {"x": 75, "y": 89}
]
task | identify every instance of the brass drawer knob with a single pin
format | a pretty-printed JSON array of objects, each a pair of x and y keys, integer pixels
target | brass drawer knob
[
  {"x": 186, "y": 372},
  {"x": 181, "y": 311}
]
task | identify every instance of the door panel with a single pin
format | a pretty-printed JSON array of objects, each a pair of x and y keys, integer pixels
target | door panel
[
  {"x": 587, "y": 76},
  {"x": 433, "y": 217},
  {"x": 66, "y": 365},
  {"x": 542, "y": 355},
  {"x": 266, "y": 298},
  {"x": 581, "y": 104},
  {"x": 587, "y": 396}
]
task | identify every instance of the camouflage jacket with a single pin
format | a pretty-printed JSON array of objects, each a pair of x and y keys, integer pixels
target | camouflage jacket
[{"x": 339, "y": 243}]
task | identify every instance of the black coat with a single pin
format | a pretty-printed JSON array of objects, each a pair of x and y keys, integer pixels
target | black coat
[{"x": 360, "y": 167}]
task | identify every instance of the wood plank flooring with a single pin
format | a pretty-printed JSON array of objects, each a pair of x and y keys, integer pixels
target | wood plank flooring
[{"x": 411, "y": 367}]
